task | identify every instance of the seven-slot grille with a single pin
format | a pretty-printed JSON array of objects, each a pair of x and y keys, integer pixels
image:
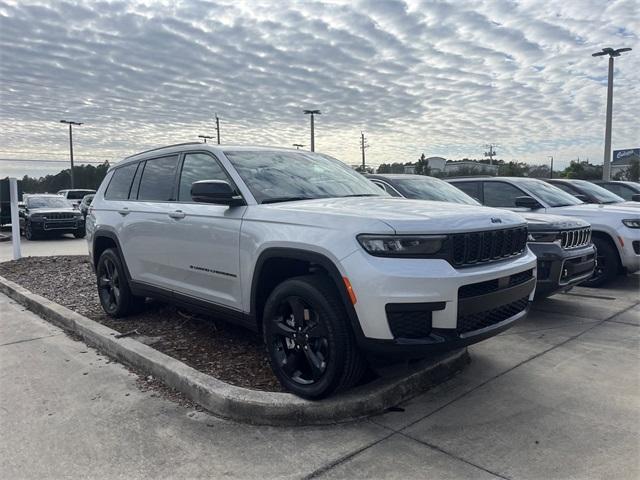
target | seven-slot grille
[
  {"x": 58, "y": 215},
  {"x": 481, "y": 247},
  {"x": 575, "y": 238}
]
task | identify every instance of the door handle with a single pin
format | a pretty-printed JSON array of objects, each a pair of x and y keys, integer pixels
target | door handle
[
  {"x": 124, "y": 211},
  {"x": 178, "y": 214}
]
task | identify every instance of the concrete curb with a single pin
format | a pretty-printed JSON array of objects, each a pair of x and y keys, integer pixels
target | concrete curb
[{"x": 237, "y": 403}]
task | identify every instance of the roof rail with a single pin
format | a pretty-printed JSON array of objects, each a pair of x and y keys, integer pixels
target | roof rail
[{"x": 160, "y": 148}]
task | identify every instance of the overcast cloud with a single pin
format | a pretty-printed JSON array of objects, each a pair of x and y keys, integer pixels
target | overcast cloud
[{"x": 417, "y": 76}]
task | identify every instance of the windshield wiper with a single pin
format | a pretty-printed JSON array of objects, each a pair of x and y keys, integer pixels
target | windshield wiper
[{"x": 284, "y": 199}]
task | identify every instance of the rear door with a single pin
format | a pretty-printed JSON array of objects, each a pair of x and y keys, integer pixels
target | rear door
[
  {"x": 146, "y": 246},
  {"x": 205, "y": 237}
]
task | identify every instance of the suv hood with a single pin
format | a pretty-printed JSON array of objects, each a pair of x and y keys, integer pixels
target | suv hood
[
  {"x": 545, "y": 222},
  {"x": 44, "y": 211},
  {"x": 593, "y": 210},
  {"x": 406, "y": 215}
]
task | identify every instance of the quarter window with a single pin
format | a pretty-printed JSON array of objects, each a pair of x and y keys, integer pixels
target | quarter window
[
  {"x": 501, "y": 194},
  {"x": 158, "y": 179},
  {"x": 120, "y": 183},
  {"x": 196, "y": 167},
  {"x": 470, "y": 188}
]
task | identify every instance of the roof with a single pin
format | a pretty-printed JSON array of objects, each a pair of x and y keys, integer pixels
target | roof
[
  {"x": 214, "y": 148},
  {"x": 392, "y": 176}
]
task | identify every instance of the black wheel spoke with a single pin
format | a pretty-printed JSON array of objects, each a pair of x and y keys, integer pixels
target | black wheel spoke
[
  {"x": 291, "y": 362},
  {"x": 104, "y": 282},
  {"x": 316, "y": 330},
  {"x": 297, "y": 309},
  {"x": 316, "y": 363},
  {"x": 281, "y": 328}
]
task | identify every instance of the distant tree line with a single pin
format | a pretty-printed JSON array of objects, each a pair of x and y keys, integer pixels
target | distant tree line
[
  {"x": 85, "y": 176},
  {"x": 580, "y": 169}
]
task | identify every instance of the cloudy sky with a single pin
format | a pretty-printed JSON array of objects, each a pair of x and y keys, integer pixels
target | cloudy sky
[{"x": 443, "y": 78}]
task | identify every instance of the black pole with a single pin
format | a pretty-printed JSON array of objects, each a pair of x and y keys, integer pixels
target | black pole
[
  {"x": 362, "y": 146},
  {"x": 218, "y": 129},
  {"x": 313, "y": 143},
  {"x": 71, "y": 154}
]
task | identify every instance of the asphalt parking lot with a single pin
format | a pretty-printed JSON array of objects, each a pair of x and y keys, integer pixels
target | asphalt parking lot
[
  {"x": 557, "y": 396},
  {"x": 55, "y": 245}
]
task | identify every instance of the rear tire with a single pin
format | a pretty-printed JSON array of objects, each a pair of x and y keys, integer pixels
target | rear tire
[
  {"x": 115, "y": 295},
  {"x": 310, "y": 343},
  {"x": 608, "y": 264}
]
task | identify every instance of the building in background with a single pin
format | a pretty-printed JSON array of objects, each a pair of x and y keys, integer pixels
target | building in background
[
  {"x": 622, "y": 160},
  {"x": 469, "y": 167}
]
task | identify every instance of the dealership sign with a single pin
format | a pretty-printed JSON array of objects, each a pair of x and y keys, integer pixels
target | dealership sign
[{"x": 626, "y": 154}]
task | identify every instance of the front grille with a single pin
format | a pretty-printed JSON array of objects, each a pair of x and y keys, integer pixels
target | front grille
[
  {"x": 58, "y": 215},
  {"x": 489, "y": 286},
  {"x": 409, "y": 324},
  {"x": 575, "y": 238},
  {"x": 636, "y": 246},
  {"x": 482, "y": 247},
  {"x": 59, "y": 225},
  {"x": 487, "y": 318}
]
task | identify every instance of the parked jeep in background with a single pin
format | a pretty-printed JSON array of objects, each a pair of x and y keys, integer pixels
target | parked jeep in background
[
  {"x": 85, "y": 204},
  {"x": 76, "y": 195},
  {"x": 615, "y": 228},
  {"x": 630, "y": 191},
  {"x": 566, "y": 256},
  {"x": 306, "y": 251},
  {"x": 49, "y": 214},
  {"x": 589, "y": 192}
]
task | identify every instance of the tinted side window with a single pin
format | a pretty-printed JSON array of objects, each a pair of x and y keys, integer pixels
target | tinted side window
[
  {"x": 158, "y": 179},
  {"x": 120, "y": 183},
  {"x": 565, "y": 187},
  {"x": 196, "y": 167},
  {"x": 501, "y": 194},
  {"x": 470, "y": 188},
  {"x": 621, "y": 190}
]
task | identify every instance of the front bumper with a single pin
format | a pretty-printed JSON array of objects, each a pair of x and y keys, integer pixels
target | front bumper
[
  {"x": 386, "y": 285},
  {"x": 561, "y": 269},
  {"x": 628, "y": 240},
  {"x": 61, "y": 226}
]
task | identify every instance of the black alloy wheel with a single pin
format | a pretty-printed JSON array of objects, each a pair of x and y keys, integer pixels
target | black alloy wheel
[
  {"x": 301, "y": 344},
  {"x": 113, "y": 288},
  {"x": 311, "y": 346},
  {"x": 28, "y": 231}
]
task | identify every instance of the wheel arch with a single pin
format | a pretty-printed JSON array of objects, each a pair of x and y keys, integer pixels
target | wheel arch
[
  {"x": 608, "y": 237},
  {"x": 272, "y": 258},
  {"x": 102, "y": 240}
]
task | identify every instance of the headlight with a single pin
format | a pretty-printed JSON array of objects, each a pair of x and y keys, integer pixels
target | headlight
[
  {"x": 414, "y": 246},
  {"x": 543, "y": 237},
  {"x": 632, "y": 222}
]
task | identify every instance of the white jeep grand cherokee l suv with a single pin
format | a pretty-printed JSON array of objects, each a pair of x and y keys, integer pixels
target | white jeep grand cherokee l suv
[{"x": 315, "y": 257}]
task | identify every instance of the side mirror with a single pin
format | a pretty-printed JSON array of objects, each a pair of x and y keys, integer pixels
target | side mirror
[
  {"x": 635, "y": 197},
  {"x": 582, "y": 197},
  {"x": 527, "y": 202},
  {"x": 215, "y": 191}
]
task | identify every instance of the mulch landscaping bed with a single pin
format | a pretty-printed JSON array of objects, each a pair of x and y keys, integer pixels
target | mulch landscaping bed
[{"x": 229, "y": 353}]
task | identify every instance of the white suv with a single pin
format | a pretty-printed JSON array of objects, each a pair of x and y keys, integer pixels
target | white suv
[
  {"x": 616, "y": 227},
  {"x": 301, "y": 248}
]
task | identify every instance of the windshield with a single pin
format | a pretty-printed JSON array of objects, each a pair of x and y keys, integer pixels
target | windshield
[
  {"x": 47, "y": 202},
  {"x": 274, "y": 176},
  {"x": 430, "y": 188},
  {"x": 601, "y": 194},
  {"x": 549, "y": 194}
]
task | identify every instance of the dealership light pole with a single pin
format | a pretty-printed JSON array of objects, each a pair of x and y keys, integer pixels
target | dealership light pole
[
  {"x": 312, "y": 113},
  {"x": 217, "y": 129},
  {"x": 606, "y": 170},
  {"x": 551, "y": 169},
  {"x": 71, "y": 124}
]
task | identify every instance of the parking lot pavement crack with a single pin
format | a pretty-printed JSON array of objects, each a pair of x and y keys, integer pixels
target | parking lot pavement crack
[
  {"x": 501, "y": 374},
  {"x": 30, "y": 339},
  {"x": 325, "y": 468},
  {"x": 455, "y": 457}
]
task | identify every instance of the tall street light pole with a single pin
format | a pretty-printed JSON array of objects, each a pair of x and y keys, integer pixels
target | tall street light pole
[
  {"x": 312, "y": 113},
  {"x": 606, "y": 170},
  {"x": 71, "y": 124},
  {"x": 551, "y": 170},
  {"x": 218, "y": 128}
]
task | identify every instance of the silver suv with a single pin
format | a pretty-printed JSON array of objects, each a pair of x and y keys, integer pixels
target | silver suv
[{"x": 299, "y": 247}]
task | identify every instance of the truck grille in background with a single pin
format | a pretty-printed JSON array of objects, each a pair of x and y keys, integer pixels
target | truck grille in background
[
  {"x": 58, "y": 215},
  {"x": 60, "y": 225},
  {"x": 482, "y": 247},
  {"x": 575, "y": 238},
  {"x": 479, "y": 320}
]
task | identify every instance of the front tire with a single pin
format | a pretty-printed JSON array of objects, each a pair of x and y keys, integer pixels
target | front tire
[
  {"x": 28, "y": 232},
  {"x": 113, "y": 287},
  {"x": 80, "y": 233},
  {"x": 310, "y": 343},
  {"x": 608, "y": 264}
]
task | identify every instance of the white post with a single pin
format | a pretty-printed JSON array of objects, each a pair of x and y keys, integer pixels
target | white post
[{"x": 15, "y": 219}]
